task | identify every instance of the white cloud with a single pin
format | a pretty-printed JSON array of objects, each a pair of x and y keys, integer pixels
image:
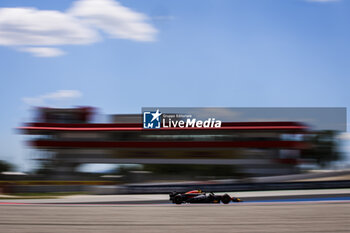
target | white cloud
[
  {"x": 63, "y": 94},
  {"x": 43, "y": 51},
  {"x": 56, "y": 96},
  {"x": 29, "y": 26},
  {"x": 32, "y": 30},
  {"x": 114, "y": 19}
]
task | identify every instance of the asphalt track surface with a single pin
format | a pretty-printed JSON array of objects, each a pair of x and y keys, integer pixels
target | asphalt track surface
[
  {"x": 316, "y": 213},
  {"x": 289, "y": 198}
]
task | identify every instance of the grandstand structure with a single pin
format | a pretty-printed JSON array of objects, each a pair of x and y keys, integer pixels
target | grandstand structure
[{"x": 69, "y": 138}]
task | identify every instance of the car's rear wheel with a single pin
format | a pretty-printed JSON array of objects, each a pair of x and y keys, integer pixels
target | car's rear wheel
[
  {"x": 226, "y": 199},
  {"x": 178, "y": 199}
]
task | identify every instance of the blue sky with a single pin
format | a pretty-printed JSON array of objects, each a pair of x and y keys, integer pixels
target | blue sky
[{"x": 227, "y": 53}]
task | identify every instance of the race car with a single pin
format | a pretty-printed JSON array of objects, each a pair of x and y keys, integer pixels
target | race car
[{"x": 197, "y": 196}]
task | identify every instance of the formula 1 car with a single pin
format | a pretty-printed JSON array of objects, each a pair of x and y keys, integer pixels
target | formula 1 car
[{"x": 197, "y": 196}]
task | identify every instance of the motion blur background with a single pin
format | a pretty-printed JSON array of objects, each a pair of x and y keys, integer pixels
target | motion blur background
[{"x": 87, "y": 65}]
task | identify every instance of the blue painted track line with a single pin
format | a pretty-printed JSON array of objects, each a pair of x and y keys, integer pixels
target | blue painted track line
[{"x": 304, "y": 199}]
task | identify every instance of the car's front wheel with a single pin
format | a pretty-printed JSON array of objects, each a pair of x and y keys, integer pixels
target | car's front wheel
[{"x": 178, "y": 199}]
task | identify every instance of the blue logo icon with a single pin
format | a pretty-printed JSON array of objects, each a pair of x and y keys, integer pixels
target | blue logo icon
[{"x": 151, "y": 120}]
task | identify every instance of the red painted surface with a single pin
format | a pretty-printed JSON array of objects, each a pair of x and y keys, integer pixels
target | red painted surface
[
  {"x": 163, "y": 129},
  {"x": 193, "y": 192},
  {"x": 171, "y": 144},
  {"x": 291, "y": 126}
]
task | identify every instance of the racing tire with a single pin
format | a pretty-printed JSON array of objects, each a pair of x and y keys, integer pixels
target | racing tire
[
  {"x": 178, "y": 199},
  {"x": 226, "y": 199}
]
